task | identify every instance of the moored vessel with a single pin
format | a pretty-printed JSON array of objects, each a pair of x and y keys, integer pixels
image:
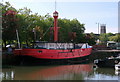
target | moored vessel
[
  {"x": 55, "y": 51},
  {"x": 108, "y": 62},
  {"x": 117, "y": 66}
]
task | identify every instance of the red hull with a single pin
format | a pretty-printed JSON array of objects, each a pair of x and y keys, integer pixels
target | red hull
[{"x": 54, "y": 53}]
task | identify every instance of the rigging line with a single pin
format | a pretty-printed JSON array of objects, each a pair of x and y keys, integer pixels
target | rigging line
[
  {"x": 45, "y": 33},
  {"x": 58, "y": 46}
]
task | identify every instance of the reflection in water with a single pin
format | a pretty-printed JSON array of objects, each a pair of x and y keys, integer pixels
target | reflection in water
[
  {"x": 65, "y": 72},
  {"x": 0, "y": 76},
  {"x": 117, "y": 72},
  {"x": 8, "y": 75},
  {"x": 103, "y": 74}
]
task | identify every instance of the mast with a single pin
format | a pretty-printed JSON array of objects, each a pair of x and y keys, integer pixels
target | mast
[{"x": 55, "y": 15}]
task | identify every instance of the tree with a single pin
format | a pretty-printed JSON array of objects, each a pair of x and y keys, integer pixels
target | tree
[
  {"x": 105, "y": 37},
  {"x": 28, "y": 21},
  {"x": 79, "y": 29},
  {"x": 115, "y": 38},
  {"x": 9, "y": 23},
  {"x": 71, "y": 28},
  {"x": 90, "y": 38}
]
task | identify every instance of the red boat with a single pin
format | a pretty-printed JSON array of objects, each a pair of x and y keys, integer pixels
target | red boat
[{"x": 48, "y": 51}]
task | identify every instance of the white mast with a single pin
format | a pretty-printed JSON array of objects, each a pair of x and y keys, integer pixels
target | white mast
[
  {"x": 55, "y": 5},
  {"x": 18, "y": 38}
]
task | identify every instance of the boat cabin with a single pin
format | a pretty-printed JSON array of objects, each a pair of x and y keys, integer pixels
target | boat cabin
[
  {"x": 113, "y": 45},
  {"x": 45, "y": 45}
]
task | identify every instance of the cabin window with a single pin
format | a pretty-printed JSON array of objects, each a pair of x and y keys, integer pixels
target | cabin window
[
  {"x": 39, "y": 51},
  {"x": 62, "y": 46},
  {"x": 70, "y": 50},
  {"x": 51, "y": 45}
]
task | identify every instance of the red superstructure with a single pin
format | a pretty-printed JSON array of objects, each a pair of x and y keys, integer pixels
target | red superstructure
[{"x": 55, "y": 50}]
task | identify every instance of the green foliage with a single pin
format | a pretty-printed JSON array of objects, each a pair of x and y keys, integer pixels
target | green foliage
[
  {"x": 9, "y": 22},
  {"x": 71, "y": 30},
  {"x": 105, "y": 37},
  {"x": 109, "y": 37},
  {"x": 90, "y": 38},
  {"x": 115, "y": 38}
]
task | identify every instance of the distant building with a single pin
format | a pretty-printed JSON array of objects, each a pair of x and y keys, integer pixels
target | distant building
[{"x": 102, "y": 28}]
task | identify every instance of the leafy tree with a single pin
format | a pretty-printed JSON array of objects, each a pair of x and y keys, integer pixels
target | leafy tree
[
  {"x": 71, "y": 30},
  {"x": 105, "y": 37},
  {"x": 9, "y": 23},
  {"x": 28, "y": 22},
  {"x": 115, "y": 38},
  {"x": 90, "y": 38},
  {"x": 79, "y": 29}
]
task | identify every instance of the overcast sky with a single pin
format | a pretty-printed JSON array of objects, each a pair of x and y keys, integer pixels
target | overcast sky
[{"x": 88, "y": 12}]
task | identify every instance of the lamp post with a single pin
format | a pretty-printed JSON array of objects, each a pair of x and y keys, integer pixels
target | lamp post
[
  {"x": 98, "y": 41},
  {"x": 98, "y": 27},
  {"x": 34, "y": 32}
]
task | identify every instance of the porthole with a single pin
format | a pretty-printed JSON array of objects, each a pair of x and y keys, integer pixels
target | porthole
[{"x": 39, "y": 51}]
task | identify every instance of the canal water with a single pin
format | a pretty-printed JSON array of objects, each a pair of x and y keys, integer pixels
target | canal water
[{"x": 60, "y": 72}]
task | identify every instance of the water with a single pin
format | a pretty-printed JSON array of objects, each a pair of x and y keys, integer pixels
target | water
[{"x": 61, "y": 72}]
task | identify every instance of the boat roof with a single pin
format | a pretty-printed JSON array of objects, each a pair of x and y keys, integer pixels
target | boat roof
[
  {"x": 55, "y": 42},
  {"x": 40, "y": 42}
]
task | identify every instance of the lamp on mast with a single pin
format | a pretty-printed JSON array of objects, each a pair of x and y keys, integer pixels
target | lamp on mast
[{"x": 55, "y": 14}]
